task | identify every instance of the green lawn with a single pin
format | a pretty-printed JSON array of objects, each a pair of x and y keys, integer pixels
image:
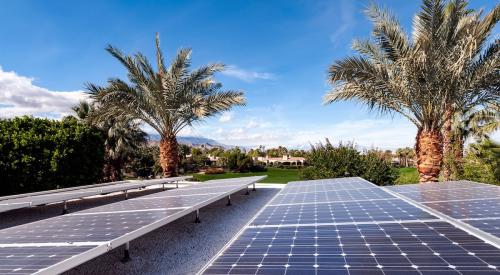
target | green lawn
[
  {"x": 274, "y": 175},
  {"x": 407, "y": 175},
  {"x": 277, "y": 175}
]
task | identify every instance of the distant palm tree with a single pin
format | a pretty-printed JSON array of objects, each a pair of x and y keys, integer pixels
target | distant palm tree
[
  {"x": 168, "y": 99},
  {"x": 473, "y": 123},
  {"x": 122, "y": 136},
  {"x": 420, "y": 78},
  {"x": 480, "y": 123}
]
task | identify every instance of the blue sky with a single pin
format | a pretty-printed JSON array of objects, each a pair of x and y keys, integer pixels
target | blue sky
[{"x": 278, "y": 52}]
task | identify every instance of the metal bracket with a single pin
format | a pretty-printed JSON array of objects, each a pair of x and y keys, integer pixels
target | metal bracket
[
  {"x": 126, "y": 253},
  {"x": 197, "y": 220},
  {"x": 65, "y": 208}
]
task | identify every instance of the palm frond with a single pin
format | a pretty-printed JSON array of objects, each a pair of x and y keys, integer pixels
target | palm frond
[
  {"x": 388, "y": 33},
  {"x": 167, "y": 99}
]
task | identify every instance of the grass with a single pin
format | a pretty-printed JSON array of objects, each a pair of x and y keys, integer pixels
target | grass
[
  {"x": 278, "y": 175},
  {"x": 407, "y": 175},
  {"x": 274, "y": 175}
]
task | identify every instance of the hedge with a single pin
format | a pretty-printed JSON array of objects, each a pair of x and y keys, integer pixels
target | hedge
[{"x": 41, "y": 154}]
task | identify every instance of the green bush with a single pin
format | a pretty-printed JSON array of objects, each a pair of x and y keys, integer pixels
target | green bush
[
  {"x": 258, "y": 168},
  {"x": 41, "y": 154},
  {"x": 482, "y": 162},
  {"x": 378, "y": 169},
  {"x": 144, "y": 162},
  {"x": 238, "y": 161},
  {"x": 327, "y": 161}
]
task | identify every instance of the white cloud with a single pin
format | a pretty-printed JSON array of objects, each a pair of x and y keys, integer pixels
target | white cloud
[
  {"x": 252, "y": 124},
  {"x": 226, "y": 117},
  {"x": 245, "y": 75},
  {"x": 19, "y": 96},
  {"x": 380, "y": 133}
]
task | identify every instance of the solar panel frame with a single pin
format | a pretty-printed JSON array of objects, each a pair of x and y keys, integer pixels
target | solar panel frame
[
  {"x": 54, "y": 197},
  {"x": 104, "y": 246}
]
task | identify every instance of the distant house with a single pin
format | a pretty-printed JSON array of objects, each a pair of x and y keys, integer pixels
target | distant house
[{"x": 284, "y": 160}]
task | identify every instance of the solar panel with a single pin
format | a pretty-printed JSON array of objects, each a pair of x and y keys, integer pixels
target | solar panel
[
  {"x": 94, "y": 231},
  {"x": 392, "y": 248},
  {"x": 475, "y": 204},
  {"x": 16, "y": 202},
  {"x": 29, "y": 260},
  {"x": 362, "y": 234},
  {"x": 342, "y": 212}
]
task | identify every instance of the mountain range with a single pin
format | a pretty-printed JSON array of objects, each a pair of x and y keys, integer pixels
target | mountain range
[{"x": 195, "y": 142}]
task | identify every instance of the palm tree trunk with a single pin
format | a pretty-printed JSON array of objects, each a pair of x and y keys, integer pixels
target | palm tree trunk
[
  {"x": 447, "y": 144},
  {"x": 112, "y": 170},
  {"x": 458, "y": 154},
  {"x": 169, "y": 156},
  {"x": 429, "y": 152}
]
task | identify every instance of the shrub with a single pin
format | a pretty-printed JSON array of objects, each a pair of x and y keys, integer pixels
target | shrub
[
  {"x": 238, "y": 161},
  {"x": 144, "y": 162},
  {"x": 41, "y": 154},
  {"x": 258, "y": 168},
  {"x": 378, "y": 169},
  {"x": 327, "y": 161},
  {"x": 482, "y": 162},
  {"x": 214, "y": 170}
]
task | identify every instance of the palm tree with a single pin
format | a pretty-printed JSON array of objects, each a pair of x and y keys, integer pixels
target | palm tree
[
  {"x": 473, "y": 123},
  {"x": 415, "y": 78},
  {"x": 123, "y": 136},
  {"x": 474, "y": 74},
  {"x": 167, "y": 99}
]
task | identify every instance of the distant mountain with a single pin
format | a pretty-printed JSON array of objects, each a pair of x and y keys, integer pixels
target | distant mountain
[{"x": 193, "y": 141}]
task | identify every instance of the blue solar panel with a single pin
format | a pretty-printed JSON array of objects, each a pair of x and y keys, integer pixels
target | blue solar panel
[
  {"x": 55, "y": 245},
  {"x": 362, "y": 231},
  {"x": 474, "y": 203},
  {"x": 341, "y": 212},
  {"x": 393, "y": 248}
]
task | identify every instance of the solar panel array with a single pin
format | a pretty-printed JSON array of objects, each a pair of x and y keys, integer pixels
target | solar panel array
[
  {"x": 57, "y": 244},
  {"x": 473, "y": 203},
  {"x": 350, "y": 226},
  {"x": 17, "y": 202}
]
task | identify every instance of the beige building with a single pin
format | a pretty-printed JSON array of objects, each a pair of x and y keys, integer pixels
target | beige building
[{"x": 296, "y": 161}]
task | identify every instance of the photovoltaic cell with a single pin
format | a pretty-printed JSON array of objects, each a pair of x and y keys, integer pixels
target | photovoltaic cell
[
  {"x": 341, "y": 212},
  {"x": 415, "y": 248},
  {"x": 28, "y": 260},
  {"x": 467, "y": 209},
  {"x": 329, "y": 196},
  {"x": 474, "y": 203},
  {"x": 447, "y": 191},
  {"x": 381, "y": 235},
  {"x": 491, "y": 226}
]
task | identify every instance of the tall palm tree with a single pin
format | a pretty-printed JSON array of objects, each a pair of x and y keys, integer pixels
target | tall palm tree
[
  {"x": 474, "y": 71},
  {"x": 167, "y": 99},
  {"x": 123, "y": 136},
  {"x": 414, "y": 77}
]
